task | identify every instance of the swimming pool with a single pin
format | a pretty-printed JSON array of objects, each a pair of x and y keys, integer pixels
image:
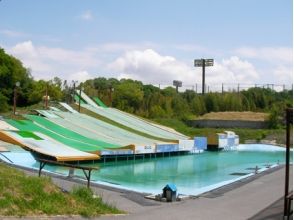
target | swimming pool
[{"x": 193, "y": 174}]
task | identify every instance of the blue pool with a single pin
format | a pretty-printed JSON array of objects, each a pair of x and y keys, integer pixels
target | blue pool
[{"x": 193, "y": 174}]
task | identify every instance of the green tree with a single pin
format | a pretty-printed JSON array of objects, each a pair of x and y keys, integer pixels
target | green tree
[
  {"x": 3, "y": 100},
  {"x": 128, "y": 95},
  {"x": 12, "y": 71}
]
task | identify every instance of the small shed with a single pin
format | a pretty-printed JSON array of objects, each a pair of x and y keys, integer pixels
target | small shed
[{"x": 170, "y": 192}]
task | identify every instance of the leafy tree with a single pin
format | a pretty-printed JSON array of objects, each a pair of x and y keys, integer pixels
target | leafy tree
[
  {"x": 3, "y": 100},
  {"x": 12, "y": 71},
  {"x": 128, "y": 95},
  {"x": 273, "y": 120}
]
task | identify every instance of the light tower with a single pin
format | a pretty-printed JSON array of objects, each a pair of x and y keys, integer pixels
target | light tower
[{"x": 203, "y": 63}]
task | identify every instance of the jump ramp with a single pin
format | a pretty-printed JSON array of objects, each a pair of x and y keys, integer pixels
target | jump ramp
[{"x": 44, "y": 146}]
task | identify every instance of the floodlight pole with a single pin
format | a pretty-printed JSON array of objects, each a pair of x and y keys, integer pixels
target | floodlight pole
[
  {"x": 203, "y": 76},
  {"x": 202, "y": 63}
]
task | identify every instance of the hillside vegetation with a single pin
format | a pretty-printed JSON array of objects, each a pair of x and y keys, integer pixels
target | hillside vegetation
[{"x": 22, "y": 195}]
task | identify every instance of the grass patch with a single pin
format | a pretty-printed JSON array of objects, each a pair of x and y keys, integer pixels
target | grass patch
[
  {"x": 242, "y": 116},
  {"x": 244, "y": 133},
  {"x": 22, "y": 195}
]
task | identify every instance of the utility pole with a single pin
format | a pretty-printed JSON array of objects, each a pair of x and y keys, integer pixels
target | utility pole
[
  {"x": 110, "y": 94},
  {"x": 17, "y": 84},
  {"x": 203, "y": 63},
  {"x": 46, "y": 97},
  {"x": 80, "y": 97}
]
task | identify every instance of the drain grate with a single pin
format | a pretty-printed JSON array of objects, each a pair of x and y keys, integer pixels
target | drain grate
[{"x": 239, "y": 174}]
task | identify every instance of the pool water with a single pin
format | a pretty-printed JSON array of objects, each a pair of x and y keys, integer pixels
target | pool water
[{"x": 192, "y": 174}]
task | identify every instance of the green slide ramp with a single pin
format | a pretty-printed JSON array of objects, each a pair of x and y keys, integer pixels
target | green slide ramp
[
  {"x": 77, "y": 98},
  {"x": 68, "y": 133},
  {"x": 26, "y": 125},
  {"x": 99, "y": 102}
]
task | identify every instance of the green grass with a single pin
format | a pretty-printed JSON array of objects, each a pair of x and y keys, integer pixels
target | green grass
[
  {"x": 244, "y": 133},
  {"x": 22, "y": 195}
]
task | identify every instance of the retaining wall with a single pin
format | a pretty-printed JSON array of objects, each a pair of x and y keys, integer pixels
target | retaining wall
[{"x": 227, "y": 124}]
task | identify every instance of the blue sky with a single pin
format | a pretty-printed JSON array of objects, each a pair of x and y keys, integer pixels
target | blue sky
[{"x": 153, "y": 41}]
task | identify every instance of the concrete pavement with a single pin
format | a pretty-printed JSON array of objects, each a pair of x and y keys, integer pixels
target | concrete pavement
[{"x": 241, "y": 203}]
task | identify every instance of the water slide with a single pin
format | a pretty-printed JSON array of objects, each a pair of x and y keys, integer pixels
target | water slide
[
  {"x": 99, "y": 102},
  {"x": 5, "y": 126},
  {"x": 135, "y": 123},
  {"x": 27, "y": 125},
  {"x": 54, "y": 109},
  {"x": 86, "y": 98},
  {"x": 43, "y": 122},
  {"x": 68, "y": 107},
  {"x": 47, "y": 114},
  {"x": 77, "y": 99},
  {"x": 131, "y": 121},
  {"x": 152, "y": 123},
  {"x": 46, "y": 147},
  {"x": 94, "y": 128}
]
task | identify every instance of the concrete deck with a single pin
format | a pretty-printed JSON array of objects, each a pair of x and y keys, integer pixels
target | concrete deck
[{"x": 245, "y": 199}]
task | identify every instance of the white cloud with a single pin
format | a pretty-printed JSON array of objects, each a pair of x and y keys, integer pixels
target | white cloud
[
  {"x": 239, "y": 71},
  {"x": 271, "y": 54},
  {"x": 87, "y": 16},
  {"x": 149, "y": 66},
  {"x": 119, "y": 47},
  {"x": 29, "y": 56},
  {"x": 80, "y": 76},
  {"x": 45, "y": 61},
  {"x": 11, "y": 33},
  {"x": 142, "y": 64},
  {"x": 283, "y": 74}
]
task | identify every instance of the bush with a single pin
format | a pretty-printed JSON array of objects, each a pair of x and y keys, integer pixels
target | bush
[
  {"x": 3, "y": 103},
  {"x": 273, "y": 120}
]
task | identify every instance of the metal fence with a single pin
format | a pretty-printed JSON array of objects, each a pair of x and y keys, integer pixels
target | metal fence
[{"x": 228, "y": 87}]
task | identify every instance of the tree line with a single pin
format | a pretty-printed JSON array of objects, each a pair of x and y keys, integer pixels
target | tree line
[
  {"x": 133, "y": 96},
  {"x": 151, "y": 102}
]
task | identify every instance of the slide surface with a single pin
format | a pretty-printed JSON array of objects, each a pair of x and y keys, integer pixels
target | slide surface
[{"x": 44, "y": 146}]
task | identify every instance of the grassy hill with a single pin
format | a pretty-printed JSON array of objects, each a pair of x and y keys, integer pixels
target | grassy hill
[
  {"x": 242, "y": 116},
  {"x": 22, "y": 195}
]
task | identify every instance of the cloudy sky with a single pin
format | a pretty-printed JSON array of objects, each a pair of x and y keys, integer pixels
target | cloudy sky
[{"x": 154, "y": 41}]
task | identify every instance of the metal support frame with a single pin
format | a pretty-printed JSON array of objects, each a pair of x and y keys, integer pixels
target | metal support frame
[{"x": 87, "y": 175}]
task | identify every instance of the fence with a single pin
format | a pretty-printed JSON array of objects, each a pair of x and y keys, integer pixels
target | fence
[{"x": 229, "y": 87}]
